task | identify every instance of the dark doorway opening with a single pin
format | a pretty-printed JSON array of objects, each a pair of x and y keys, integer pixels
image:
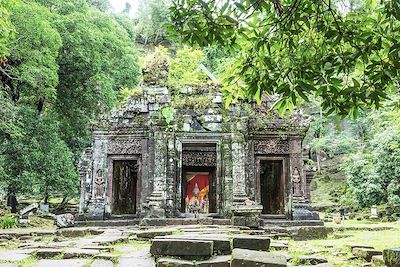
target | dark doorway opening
[
  {"x": 125, "y": 177},
  {"x": 198, "y": 189},
  {"x": 272, "y": 186}
]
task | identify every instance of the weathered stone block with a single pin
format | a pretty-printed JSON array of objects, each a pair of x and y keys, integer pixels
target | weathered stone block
[
  {"x": 250, "y": 221},
  {"x": 149, "y": 234},
  {"x": 392, "y": 257},
  {"x": 310, "y": 232},
  {"x": 251, "y": 242},
  {"x": 63, "y": 263},
  {"x": 168, "y": 262},
  {"x": 46, "y": 253},
  {"x": 251, "y": 258},
  {"x": 311, "y": 259},
  {"x": 219, "y": 261},
  {"x": 365, "y": 253},
  {"x": 80, "y": 253},
  {"x": 102, "y": 263},
  {"x": 378, "y": 260},
  {"x": 222, "y": 245},
  {"x": 173, "y": 247}
]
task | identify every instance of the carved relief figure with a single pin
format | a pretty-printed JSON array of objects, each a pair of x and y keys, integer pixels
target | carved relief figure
[
  {"x": 99, "y": 184},
  {"x": 296, "y": 178}
]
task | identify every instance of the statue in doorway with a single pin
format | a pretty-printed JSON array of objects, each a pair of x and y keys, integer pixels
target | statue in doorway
[
  {"x": 99, "y": 184},
  {"x": 296, "y": 178}
]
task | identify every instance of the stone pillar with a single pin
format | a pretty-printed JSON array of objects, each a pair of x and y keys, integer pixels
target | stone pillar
[
  {"x": 238, "y": 169},
  {"x": 170, "y": 176},
  {"x": 226, "y": 183},
  {"x": 156, "y": 200},
  {"x": 99, "y": 205},
  {"x": 301, "y": 207},
  {"x": 85, "y": 174}
]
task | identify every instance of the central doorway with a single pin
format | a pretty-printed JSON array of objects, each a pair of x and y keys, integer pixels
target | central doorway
[
  {"x": 272, "y": 186},
  {"x": 124, "y": 186},
  {"x": 198, "y": 190}
]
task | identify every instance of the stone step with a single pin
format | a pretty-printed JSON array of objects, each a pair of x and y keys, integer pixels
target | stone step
[
  {"x": 177, "y": 247},
  {"x": 244, "y": 257},
  {"x": 221, "y": 243},
  {"x": 108, "y": 223},
  {"x": 288, "y": 223}
]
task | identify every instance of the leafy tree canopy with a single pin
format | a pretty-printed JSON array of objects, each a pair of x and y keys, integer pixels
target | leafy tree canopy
[{"x": 350, "y": 60}]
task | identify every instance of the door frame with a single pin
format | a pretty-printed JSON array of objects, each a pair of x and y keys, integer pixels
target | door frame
[
  {"x": 110, "y": 190},
  {"x": 283, "y": 180}
]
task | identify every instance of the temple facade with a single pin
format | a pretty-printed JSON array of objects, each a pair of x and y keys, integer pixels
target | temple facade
[{"x": 182, "y": 153}]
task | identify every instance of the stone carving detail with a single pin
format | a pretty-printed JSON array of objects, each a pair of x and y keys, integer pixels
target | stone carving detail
[
  {"x": 199, "y": 159},
  {"x": 296, "y": 178},
  {"x": 125, "y": 147},
  {"x": 99, "y": 184},
  {"x": 271, "y": 146}
]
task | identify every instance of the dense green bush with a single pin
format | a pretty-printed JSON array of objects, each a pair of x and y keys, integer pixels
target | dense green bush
[
  {"x": 373, "y": 173},
  {"x": 8, "y": 221}
]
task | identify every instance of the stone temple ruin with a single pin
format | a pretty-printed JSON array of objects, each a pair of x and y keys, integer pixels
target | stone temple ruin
[{"x": 181, "y": 154}]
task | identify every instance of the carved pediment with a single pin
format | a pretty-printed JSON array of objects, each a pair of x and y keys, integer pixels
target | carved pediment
[
  {"x": 271, "y": 146},
  {"x": 208, "y": 159},
  {"x": 125, "y": 147}
]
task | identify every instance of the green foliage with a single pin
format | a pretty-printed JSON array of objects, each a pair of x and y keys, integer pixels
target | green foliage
[
  {"x": 33, "y": 60},
  {"x": 300, "y": 49},
  {"x": 69, "y": 64},
  {"x": 184, "y": 68},
  {"x": 8, "y": 221},
  {"x": 37, "y": 160},
  {"x": 151, "y": 19},
  {"x": 6, "y": 27},
  {"x": 195, "y": 102},
  {"x": 373, "y": 173},
  {"x": 168, "y": 114}
]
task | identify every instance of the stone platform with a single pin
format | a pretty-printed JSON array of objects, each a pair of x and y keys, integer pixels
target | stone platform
[{"x": 264, "y": 222}]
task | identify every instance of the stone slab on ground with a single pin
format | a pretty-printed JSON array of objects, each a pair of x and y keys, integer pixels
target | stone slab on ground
[
  {"x": 150, "y": 234},
  {"x": 80, "y": 253},
  {"x": 168, "y": 262},
  {"x": 45, "y": 253},
  {"x": 8, "y": 265},
  {"x": 279, "y": 246},
  {"x": 219, "y": 261},
  {"x": 251, "y": 242},
  {"x": 366, "y": 253},
  {"x": 140, "y": 258},
  {"x": 392, "y": 257},
  {"x": 222, "y": 244},
  {"x": 102, "y": 263},
  {"x": 378, "y": 260},
  {"x": 311, "y": 259},
  {"x": 251, "y": 258},
  {"x": 176, "y": 247},
  {"x": 62, "y": 263},
  {"x": 13, "y": 255},
  {"x": 106, "y": 256},
  {"x": 352, "y": 246},
  {"x": 310, "y": 232}
]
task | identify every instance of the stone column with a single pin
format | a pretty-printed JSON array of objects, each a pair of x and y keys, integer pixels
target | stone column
[
  {"x": 238, "y": 168},
  {"x": 157, "y": 198},
  {"x": 170, "y": 176},
  {"x": 301, "y": 207}
]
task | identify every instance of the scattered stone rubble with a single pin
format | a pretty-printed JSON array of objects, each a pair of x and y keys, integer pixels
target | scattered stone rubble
[{"x": 178, "y": 246}]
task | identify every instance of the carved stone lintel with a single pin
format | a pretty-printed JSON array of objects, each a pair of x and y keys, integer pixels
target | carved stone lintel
[
  {"x": 271, "y": 146},
  {"x": 208, "y": 159},
  {"x": 125, "y": 147}
]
